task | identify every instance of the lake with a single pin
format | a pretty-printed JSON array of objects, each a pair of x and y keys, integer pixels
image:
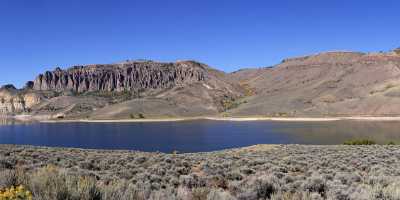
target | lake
[{"x": 194, "y": 136}]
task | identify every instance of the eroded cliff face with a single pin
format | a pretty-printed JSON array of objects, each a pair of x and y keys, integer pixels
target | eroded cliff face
[
  {"x": 14, "y": 101},
  {"x": 11, "y": 105},
  {"x": 183, "y": 88},
  {"x": 129, "y": 76}
]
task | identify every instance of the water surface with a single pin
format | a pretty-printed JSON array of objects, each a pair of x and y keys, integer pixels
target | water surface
[{"x": 194, "y": 136}]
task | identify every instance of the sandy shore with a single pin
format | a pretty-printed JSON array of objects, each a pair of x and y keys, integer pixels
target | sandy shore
[
  {"x": 305, "y": 119},
  {"x": 114, "y": 120},
  {"x": 372, "y": 118},
  {"x": 272, "y": 119},
  {"x": 285, "y": 119}
]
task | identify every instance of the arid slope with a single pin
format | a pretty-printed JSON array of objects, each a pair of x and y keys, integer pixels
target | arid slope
[{"x": 326, "y": 84}]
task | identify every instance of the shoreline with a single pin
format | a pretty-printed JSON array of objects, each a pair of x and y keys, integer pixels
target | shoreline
[
  {"x": 233, "y": 119},
  {"x": 114, "y": 120},
  {"x": 251, "y": 147}
]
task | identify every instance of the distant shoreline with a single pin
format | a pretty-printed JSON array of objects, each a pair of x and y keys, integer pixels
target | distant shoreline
[
  {"x": 306, "y": 119},
  {"x": 114, "y": 120},
  {"x": 234, "y": 119}
]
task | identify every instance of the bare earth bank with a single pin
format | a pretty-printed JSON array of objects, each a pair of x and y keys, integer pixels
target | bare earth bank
[
  {"x": 256, "y": 172},
  {"x": 288, "y": 119}
]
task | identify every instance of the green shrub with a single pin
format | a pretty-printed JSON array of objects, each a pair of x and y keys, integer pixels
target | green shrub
[
  {"x": 48, "y": 183},
  {"x": 359, "y": 142},
  {"x": 391, "y": 143},
  {"x": 8, "y": 178},
  {"x": 12, "y": 177},
  {"x": 51, "y": 183},
  {"x": 200, "y": 193},
  {"x": 231, "y": 103},
  {"x": 88, "y": 190}
]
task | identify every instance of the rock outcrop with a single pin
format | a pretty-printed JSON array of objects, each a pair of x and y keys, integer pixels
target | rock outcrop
[
  {"x": 14, "y": 101},
  {"x": 9, "y": 101},
  {"x": 127, "y": 76},
  {"x": 123, "y": 90}
]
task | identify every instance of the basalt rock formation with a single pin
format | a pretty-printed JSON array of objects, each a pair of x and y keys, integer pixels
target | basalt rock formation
[
  {"x": 125, "y": 90},
  {"x": 127, "y": 76}
]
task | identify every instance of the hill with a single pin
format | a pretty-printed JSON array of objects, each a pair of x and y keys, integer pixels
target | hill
[
  {"x": 125, "y": 90},
  {"x": 325, "y": 84}
]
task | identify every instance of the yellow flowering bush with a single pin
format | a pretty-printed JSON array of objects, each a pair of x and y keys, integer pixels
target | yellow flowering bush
[{"x": 15, "y": 193}]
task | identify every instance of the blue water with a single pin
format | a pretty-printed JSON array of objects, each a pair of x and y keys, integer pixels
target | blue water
[{"x": 193, "y": 136}]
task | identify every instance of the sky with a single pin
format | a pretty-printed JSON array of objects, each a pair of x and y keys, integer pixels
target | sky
[{"x": 40, "y": 35}]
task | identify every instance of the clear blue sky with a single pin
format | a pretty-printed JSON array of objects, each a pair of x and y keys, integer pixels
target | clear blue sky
[{"x": 38, "y": 35}]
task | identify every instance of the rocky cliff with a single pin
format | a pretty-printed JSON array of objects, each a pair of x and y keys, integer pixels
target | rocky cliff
[
  {"x": 16, "y": 101},
  {"x": 128, "y": 76},
  {"x": 124, "y": 90}
]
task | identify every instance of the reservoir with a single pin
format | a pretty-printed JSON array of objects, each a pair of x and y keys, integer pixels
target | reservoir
[{"x": 194, "y": 136}]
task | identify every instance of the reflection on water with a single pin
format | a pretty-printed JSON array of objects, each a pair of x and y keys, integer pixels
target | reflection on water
[
  {"x": 5, "y": 121},
  {"x": 339, "y": 131},
  {"x": 10, "y": 121},
  {"x": 193, "y": 136}
]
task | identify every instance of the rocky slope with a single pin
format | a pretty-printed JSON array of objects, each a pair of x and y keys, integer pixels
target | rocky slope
[{"x": 326, "y": 84}]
